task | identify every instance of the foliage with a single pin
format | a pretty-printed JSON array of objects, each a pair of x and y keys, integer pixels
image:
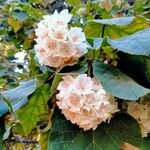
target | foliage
[{"x": 118, "y": 34}]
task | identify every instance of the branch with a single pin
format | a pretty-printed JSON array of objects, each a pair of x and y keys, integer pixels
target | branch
[{"x": 18, "y": 140}]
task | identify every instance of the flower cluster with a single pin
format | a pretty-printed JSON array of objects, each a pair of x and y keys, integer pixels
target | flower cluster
[
  {"x": 141, "y": 112},
  {"x": 84, "y": 102},
  {"x": 57, "y": 45}
]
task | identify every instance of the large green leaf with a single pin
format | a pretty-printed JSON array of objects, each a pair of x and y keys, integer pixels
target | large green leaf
[
  {"x": 66, "y": 136},
  {"x": 137, "y": 43},
  {"x": 35, "y": 108},
  {"x": 118, "y": 83},
  {"x": 17, "y": 97},
  {"x": 115, "y": 29}
]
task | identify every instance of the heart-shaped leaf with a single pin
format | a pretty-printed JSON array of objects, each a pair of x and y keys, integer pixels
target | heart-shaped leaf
[
  {"x": 66, "y": 136},
  {"x": 118, "y": 83}
]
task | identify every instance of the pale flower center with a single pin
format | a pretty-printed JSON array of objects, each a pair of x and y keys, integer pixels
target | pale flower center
[
  {"x": 75, "y": 38},
  {"x": 52, "y": 45}
]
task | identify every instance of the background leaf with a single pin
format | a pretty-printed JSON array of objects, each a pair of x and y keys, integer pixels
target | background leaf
[
  {"x": 17, "y": 97},
  {"x": 118, "y": 83},
  {"x": 15, "y": 24},
  {"x": 74, "y": 3}
]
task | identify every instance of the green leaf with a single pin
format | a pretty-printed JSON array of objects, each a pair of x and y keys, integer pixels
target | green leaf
[
  {"x": 114, "y": 21},
  {"x": 35, "y": 1},
  {"x": 137, "y": 43},
  {"x": 43, "y": 141},
  {"x": 74, "y": 3},
  {"x": 115, "y": 30},
  {"x": 56, "y": 80},
  {"x": 118, "y": 83},
  {"x": 32, "y": 12},
  {"x": 145, "y": 144},
  {"x": 66, "y": 136},
  {"x": 41, "y": 78},
  {"x": 17, "y": 97},
  {"x": 138, "y": 6},
  {"x": 35, "y": 108},
  {"x": 15, "y": 24}
]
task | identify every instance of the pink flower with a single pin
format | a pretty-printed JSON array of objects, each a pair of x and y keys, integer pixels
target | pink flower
[
  {"x": 84, "y": 102},
  {"x": 56, "y": 44}
]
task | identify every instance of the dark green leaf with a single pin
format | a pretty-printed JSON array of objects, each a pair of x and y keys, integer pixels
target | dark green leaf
[
  {"x": 82, "y": 67},
  {"x": 118, "y": 83},
  {"x": 136, "y": 66},
  {"x": 2, "y": 131},
  {"x": 66, "y": 136},
  {"x": 145, "y": 144}
]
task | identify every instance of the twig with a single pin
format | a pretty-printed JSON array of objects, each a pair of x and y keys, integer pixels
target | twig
[
  {"x": 18, "y": 140},
  {"x": 102, "y": 36},
  {"x": 50, "y": 118}
]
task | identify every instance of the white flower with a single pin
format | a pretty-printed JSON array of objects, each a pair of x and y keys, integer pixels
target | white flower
[
  {"x": 56, "y": 44},
  {"x": 76, "y": 35},
  {"x": 60, "y": 20},
  {"x": 84, "y": 102}
]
